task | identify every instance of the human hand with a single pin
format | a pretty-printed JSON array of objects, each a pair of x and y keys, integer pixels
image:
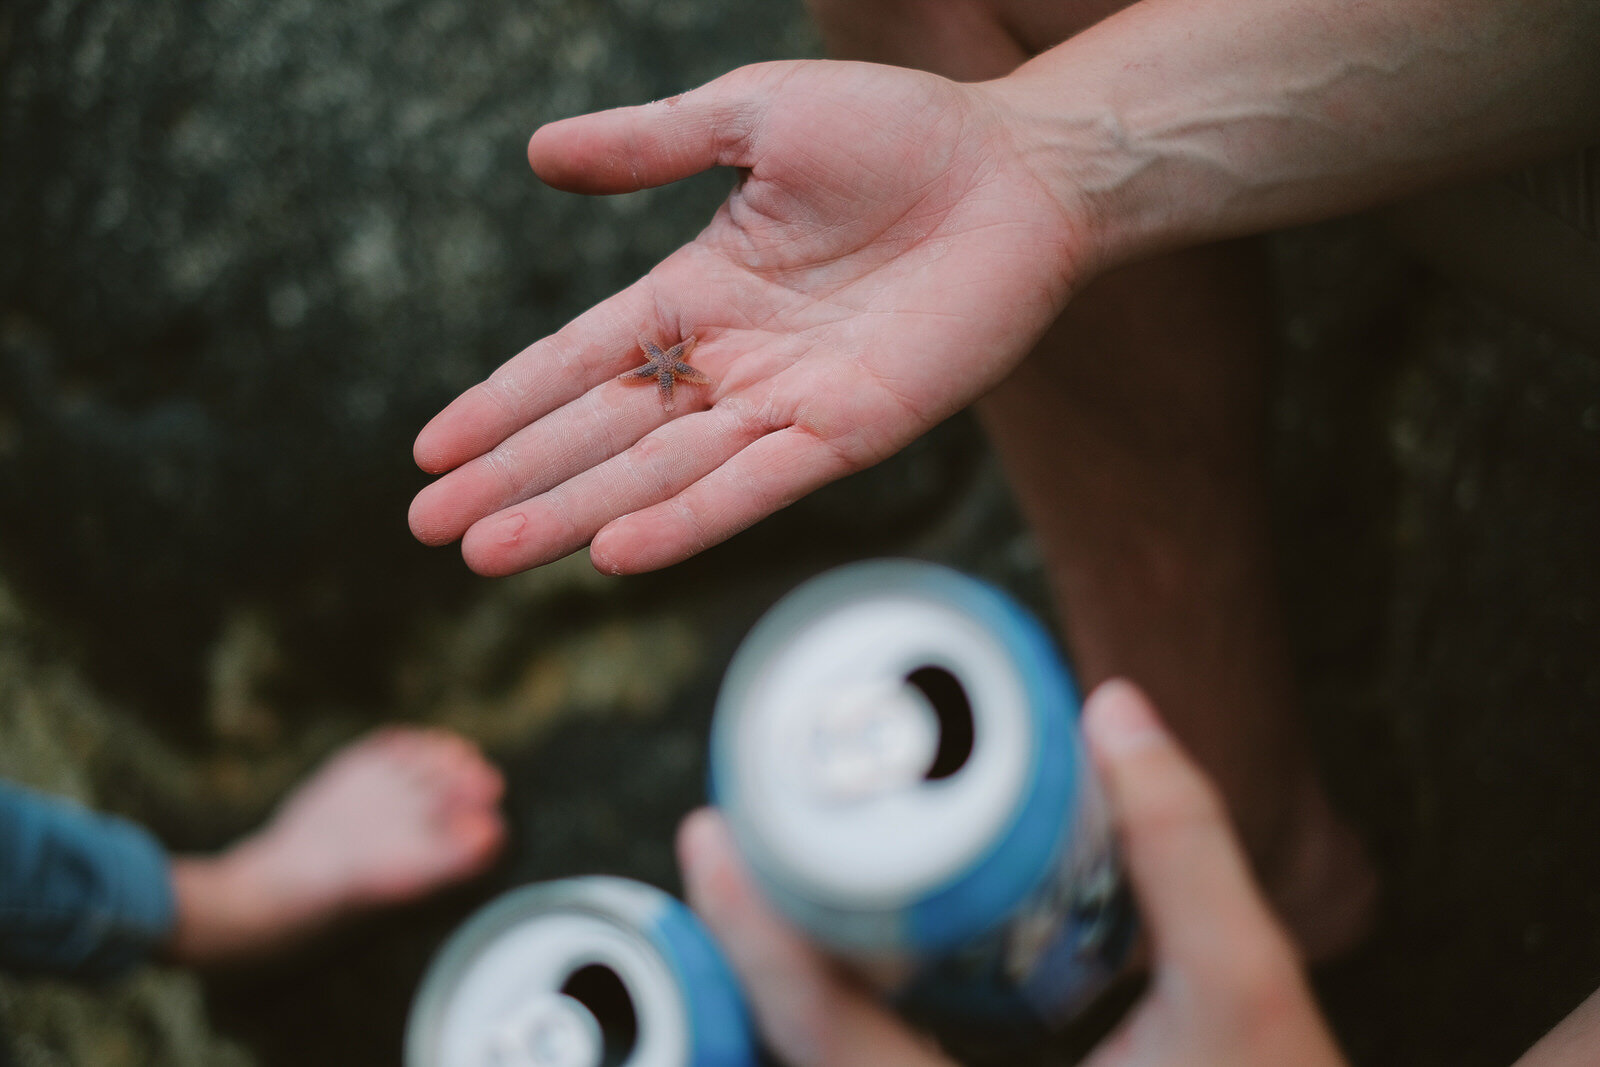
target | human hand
[
  {"x": 887, "y": 256},
  {"x": 1225, "y": 988},
  {"x": 390, "y": 818}
]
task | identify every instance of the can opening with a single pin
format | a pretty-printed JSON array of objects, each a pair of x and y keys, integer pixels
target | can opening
[
  {"x": 598, "y": 988},
  {"x": 949, "y": 699}
]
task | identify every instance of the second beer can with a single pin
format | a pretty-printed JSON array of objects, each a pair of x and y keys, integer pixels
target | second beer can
[{"x": 583, "y": 972}]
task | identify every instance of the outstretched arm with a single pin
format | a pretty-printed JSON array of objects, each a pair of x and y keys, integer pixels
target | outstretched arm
[{"x": 898, "y": 241}]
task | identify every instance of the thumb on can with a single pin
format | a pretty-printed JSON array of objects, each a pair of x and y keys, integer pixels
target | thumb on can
[
  {"x": 1198, "y": 898},
  {"x": 810, "y": 1013}
]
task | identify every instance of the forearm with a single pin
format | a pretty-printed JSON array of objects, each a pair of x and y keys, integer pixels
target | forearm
[
  {"x": 1178, "y": 121},
  {"x": 242, "y": 902},
  {"x": 220, "y": 909}
]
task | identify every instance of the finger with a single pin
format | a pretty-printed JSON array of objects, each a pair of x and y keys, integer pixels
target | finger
[
  {"x": 599, "y": 344},
  {"x": 474, "y": 839},
  {"x": 473, "y": 781},
  {"x": 574, "y": 438},
  {"x": 771, "y": 473},
  {"x": 807, "y": 1011},
  {"x": 630, "y": 148},
  {"x": 1189, "y": 871},
  {"x": 567, "y": 517}
]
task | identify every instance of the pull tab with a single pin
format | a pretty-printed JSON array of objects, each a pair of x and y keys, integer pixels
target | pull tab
[
  {"x": 551, "y": 1030},
  {"x": 869, "y": 740}
]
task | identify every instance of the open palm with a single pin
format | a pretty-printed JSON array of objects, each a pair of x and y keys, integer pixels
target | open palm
[{"x": 887, "y": 256}]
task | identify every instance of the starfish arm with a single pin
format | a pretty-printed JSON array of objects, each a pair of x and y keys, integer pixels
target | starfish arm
[
  {"x": 683, "y": 372},
  {"x": 644, "y": 373},
  {"x": 664, "y": 383},
  {"x": 651, "y": 349}
]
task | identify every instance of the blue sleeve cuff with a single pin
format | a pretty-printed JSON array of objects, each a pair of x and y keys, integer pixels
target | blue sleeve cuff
[{"x": 81, "y": 894}]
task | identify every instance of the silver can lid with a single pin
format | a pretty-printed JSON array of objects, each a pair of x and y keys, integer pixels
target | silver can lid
[
  {"x": 823, "y": 742},
  {"x": 499, "y": 994}
]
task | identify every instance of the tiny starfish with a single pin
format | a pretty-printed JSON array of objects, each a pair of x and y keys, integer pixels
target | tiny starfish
[{"x": 667, "y": 367}]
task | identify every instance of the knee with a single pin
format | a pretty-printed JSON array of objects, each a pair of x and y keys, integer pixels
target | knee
[
  {"x": 933, "y": 35},
  {"x": 961, "y": 39},
  {"x": 1039, "y": 25}
]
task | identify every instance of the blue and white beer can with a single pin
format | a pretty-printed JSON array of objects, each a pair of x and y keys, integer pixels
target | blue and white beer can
[
  {"x": 583, "y": 972},
  {"x": 896, "y": 750}
]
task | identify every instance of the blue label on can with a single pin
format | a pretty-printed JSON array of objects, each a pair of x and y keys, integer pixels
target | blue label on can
[{"x": 719, "y": 1026}]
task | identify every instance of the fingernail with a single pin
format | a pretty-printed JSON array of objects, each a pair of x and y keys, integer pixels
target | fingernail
[
  {"x": 603, "y": 563},
  {"x": 1119, "y": 719},
  {"x": 599, "y": 555}
]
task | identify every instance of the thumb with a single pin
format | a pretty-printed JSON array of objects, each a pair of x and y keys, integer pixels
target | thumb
[
  {"x": 629, "y": 148},
  {"x": 810, "y": 1014},
  {"x": 1189, "y": 872}
]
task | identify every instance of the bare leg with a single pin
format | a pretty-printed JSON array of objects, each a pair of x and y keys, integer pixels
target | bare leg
[
  {"x": 390, "y": 818},
  {"x": 1132, "y": 437}
]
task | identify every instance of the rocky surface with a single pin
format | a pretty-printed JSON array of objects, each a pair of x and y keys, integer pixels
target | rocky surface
[{"x": 250, "y": 247}]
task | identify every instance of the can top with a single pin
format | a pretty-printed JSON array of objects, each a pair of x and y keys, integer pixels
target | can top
[
  {"x": 549, "y": 1030},
  {"x": 495, "y": 997},
  {"x": 823, "y": 742}
]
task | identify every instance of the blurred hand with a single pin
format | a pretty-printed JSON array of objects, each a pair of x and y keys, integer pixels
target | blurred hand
[
  {"x": 887, "y": 256},
  {"x": 1225, "y": 987}
]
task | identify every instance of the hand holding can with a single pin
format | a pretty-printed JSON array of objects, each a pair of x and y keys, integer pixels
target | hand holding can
[{"x": 1225, "y": 988}]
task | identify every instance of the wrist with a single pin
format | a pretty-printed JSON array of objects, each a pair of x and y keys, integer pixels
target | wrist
[
  {"x": 203, "y": 892},
  {"x": 223, "y": 903},
  {"x": 1078, "y": 145}
]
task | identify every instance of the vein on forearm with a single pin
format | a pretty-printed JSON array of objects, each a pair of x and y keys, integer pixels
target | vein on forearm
[{"x": 1175, "y": 122}]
